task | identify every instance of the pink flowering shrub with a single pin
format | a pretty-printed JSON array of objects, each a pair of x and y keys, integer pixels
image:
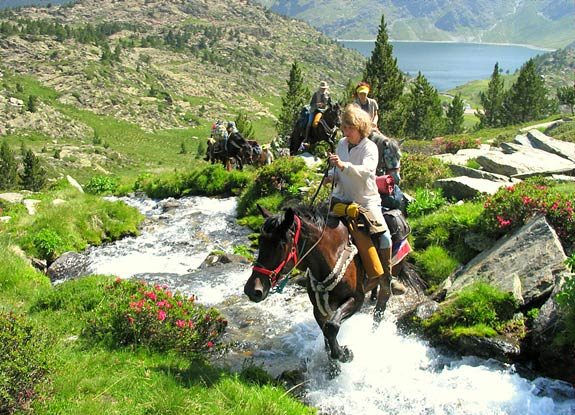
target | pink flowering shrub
[
  {"x": 454, "y": 144},
  {"x": 134, "y": 313},
  {"x": 512, "y": 206}
]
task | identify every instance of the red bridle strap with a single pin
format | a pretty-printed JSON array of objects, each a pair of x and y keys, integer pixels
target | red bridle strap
[{"x": 292, "y": 255}]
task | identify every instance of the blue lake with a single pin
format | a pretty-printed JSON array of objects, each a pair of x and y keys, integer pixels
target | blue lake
[{"x": 447, "y": 65}]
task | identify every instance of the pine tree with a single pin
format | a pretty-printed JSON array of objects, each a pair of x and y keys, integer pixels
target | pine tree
[
  {"x": 32, "y": 105},
  {"x": 423, "y": 110},
  {"x": 455, "y": 115},
  {"x": 34, "y": 176},
  {"x": 566, "y": 96},
  {"x": 296, "y": 97},
  {"x": 245, "y": 126},
  {"x": 383, "y": 75},
  {"x": 527, "y": 99},
  {"x": 492, "y": 101},
  {"x": 8, "y": 168}
]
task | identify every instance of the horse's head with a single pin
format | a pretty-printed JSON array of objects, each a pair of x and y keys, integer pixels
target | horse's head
[
  {"x": 277, "y": 253},
  {"x": 332, "y": 114}
]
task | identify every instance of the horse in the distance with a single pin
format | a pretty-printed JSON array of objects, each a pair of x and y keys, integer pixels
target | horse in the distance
[
  {"x": 237, "y": 153},
  {"x": 324, "y": 130},
  {"x": 311, "y": 240},
  {"x": 260, "y": 155}
]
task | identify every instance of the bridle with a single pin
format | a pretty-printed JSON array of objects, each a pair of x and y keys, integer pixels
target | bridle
[{"x": 275, "y": 276}]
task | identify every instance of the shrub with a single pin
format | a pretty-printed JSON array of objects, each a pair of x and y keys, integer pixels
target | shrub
[
  {"x": 134, "y": 313},
  {"x": 421, "y": 171},
  {"x": 49, "y": 244},
  {"x": 278, "y": 181},
  {"x": 426, "y": 201},
  {"x": 480, "y": 306},
  {"x": 512, "y": 206},
  {"x": 25, "y": 362},
  {"x": 454, "y": 144},
  {"x": 99, "y": 185},
  {"x": 436, "y": 264}
]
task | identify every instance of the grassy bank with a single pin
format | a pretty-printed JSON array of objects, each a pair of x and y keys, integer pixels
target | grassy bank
[{"x": 58, "y": 367}]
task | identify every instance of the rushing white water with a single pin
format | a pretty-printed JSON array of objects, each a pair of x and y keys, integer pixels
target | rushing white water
[{"x": 391, "y": 373}]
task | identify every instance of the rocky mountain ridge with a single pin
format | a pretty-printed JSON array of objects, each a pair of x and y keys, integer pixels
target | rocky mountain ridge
[{"x": 546, "y": 23}]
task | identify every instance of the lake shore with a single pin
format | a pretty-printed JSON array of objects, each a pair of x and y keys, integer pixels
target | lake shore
[{"x": 533, "y": 47}]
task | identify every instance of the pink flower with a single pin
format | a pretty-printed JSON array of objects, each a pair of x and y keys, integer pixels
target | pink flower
[
  {"x": 502, "y": 222},
  {"x": 210, "y": 344},
  {"x": 151, "y": 295},
  {"x": 161, "y": 315},
  {"x": 131, "y": 320},
  {"x": 527, "y": 200},
  {"x": 181, "y": 323}
]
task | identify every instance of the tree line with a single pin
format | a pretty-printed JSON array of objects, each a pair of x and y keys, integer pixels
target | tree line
[{"x": 414, "y": 109}]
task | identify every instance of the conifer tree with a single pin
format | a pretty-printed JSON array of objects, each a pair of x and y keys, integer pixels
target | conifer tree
[
  {"x": 527, "y": 99},
  {"x": 8, "y": 168},
  {"x": 423, "y": 110},
  {"x": 32, "y": 104},
  {"x": 34, "y": 176},
  {"x": 566, "y": 96},
  {"x": 455, "y": 115},
  {"x": 383, "y": 75},
  {"x": 245, "y": 126},
  {"x": 296, "y": 97},
  {"x": 492, "y": 101}
]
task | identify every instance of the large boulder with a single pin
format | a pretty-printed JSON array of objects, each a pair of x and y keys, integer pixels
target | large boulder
[
  {"x": 520, "y": 161},
  {"x": 525, "y": 263},
  {"x": 543, "y": 142},
  {"x": 464, "y": 187}
]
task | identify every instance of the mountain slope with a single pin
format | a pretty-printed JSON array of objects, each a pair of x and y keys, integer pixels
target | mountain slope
[
  {"x": 546, "y": 23},
  {"x": 179, "y": 63}
]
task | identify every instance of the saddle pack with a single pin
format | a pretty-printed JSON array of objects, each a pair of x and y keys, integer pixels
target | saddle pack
[{"x": 398, "y": 226}]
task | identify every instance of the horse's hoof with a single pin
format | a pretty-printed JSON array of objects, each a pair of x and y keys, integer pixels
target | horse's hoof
[
  {"x": 334, "y": 369},
  {"x": 346, "y": 355},
  {"x": 377, "y": 317}
]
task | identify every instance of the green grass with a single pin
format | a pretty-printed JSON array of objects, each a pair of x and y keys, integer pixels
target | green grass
[{"x": 91, "y": 379}]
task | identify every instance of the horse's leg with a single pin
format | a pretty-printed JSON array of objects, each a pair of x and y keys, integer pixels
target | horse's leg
[
  {"x": 373, "y": 296},
  {"x": 331, "y": 330},
  {"x": 382, "y": 299}
]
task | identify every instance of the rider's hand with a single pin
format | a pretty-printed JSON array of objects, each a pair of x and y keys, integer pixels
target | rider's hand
[{"x": 335, "y": 161}]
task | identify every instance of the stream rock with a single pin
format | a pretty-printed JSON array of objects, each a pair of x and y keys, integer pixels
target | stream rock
[{"x": 68, "y": 266}]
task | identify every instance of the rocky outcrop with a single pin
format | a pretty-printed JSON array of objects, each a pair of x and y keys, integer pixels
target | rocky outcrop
[
  {"x": 530, "y": 264},
  {"x": 530, "y": 154},
  {"x": 526, "y": 263}
]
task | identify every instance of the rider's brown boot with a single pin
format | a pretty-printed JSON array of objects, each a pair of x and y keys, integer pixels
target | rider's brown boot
[{"x": 397, "y": 287}]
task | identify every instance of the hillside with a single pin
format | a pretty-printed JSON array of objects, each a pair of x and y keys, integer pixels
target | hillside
[
  {"x": 544, "y": 23},
  {"x": 178, "y": 63}
]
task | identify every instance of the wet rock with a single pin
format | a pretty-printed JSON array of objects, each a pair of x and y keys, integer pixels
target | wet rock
[
  {"x": 223, "y": 258},
  {"x": 68, "y": 266}
]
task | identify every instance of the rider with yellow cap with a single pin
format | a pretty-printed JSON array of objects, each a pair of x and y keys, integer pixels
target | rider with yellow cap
[{"x": 367, "y": 104}]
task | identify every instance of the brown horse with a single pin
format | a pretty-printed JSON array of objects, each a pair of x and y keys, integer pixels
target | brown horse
[{"x": 319, "y": 244}]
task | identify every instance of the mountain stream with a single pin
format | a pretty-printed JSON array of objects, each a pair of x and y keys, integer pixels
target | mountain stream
[{"x": 390, "y": 374}]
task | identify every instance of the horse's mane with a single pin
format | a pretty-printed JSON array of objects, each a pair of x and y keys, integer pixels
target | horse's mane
[{"x": 314, "y": 215}]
